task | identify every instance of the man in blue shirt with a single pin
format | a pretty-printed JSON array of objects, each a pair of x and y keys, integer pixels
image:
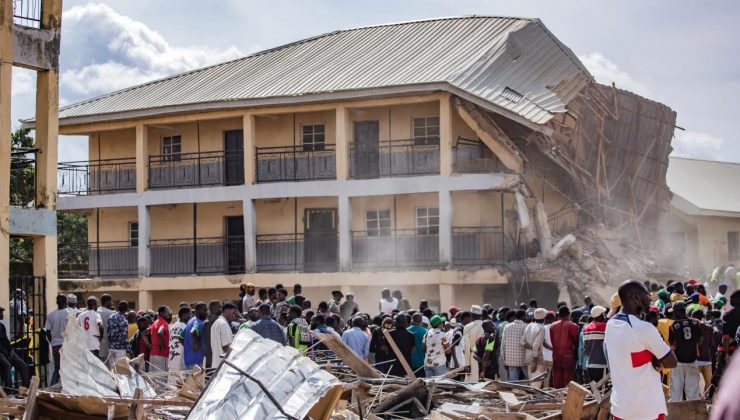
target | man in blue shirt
[
  {"x": 356, "y": 339},
  {"x": 267, "y": 327},
  {"x": 417, "y": 356},
  {"x": 194, "y": 340}
]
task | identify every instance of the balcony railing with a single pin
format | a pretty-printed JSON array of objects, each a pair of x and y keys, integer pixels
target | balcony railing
[
  {"x": 280, "y": 252},
  {"x": 400, "y": 248},
  {"x": 472, "y": 156},
  {"x": 22, "y": 177},
  {"x": 197, "y": 256},
  {"x": 394, "y": 158},
  {"x": 196, "y": 169},
  {"x": 97, "y": 259},
  {"x": 296, "y": 163},
  {"x": 97, "y": 177},
  {"x": 476, "y": 246}
]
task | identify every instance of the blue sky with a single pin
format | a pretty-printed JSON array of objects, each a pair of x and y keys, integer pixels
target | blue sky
[{"x": 682, "y": 53}]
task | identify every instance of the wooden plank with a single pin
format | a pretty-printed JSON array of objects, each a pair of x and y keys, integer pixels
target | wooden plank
[
  {"x": 359, "y": 366},
  {"x": 157, "y": 402},
  {"x": 399, "y": 355},
  {"x": 509, "y": 398},
  {"x": 137, "y": 409},
  {"x": 573, "y": 408},
  {"x": 32, "y": 407}
]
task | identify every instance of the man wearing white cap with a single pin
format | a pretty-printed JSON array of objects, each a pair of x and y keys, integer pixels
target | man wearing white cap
[
  {"x": 593, "y": 344},
  {"x": 534, "y": 336},
  {"x": 72, "y": 304},
  {"x": 471, "y": 332}
]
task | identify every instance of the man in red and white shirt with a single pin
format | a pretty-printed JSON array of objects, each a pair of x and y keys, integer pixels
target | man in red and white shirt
[{"x": 635, "y": 350}]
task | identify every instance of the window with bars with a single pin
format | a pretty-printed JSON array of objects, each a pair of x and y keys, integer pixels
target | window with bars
[
  {"x": 427, "y": 220},
  {"x": 133, "y": 233},
  {"x": 426, "y": 130},
  {"x": 171, "y": 148},
  {"x": 378, "y": 222},
  {"x": 314, "y": 137}
]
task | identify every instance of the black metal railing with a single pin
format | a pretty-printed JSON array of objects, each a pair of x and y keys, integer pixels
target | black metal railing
[
  {"x": 296, "y": 163},
  {"x": 94, "y": 177},
  {"x": 27, "y": 13},
  {"x": 97, "y": 259},
  {"x": 475, "y": 246},
  {"x": 27, "y": 318},
  {"x": 197, "y": 256},
  {"x": 196, "y": 169},
  {"x": 394, "y": 248},
  {"x": 22, "y": 177},
  {"x": 472, "y": 156},
  {"x": 394, "y": 158},
  {"x": 280, "y": 252}
]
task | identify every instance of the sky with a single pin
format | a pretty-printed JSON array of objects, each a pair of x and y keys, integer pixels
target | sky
[{"x": 683, "y": 53}]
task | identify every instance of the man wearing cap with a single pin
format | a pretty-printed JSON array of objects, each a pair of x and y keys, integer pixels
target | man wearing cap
[
  {"x": 534, "y": 336},
  {"x": 593, "y": 344},
  {"x": 92, "y": 324},
  {"x": 694, "y": 304},
  {"x": 664, "y": 298},
  {"x": 471, "y": 332},
  {"x": 349, "y": 307},
  {"x": 684, "y": 335},
  {"x": 72, "y": 304},
  {"x": 435, "y": 345}
]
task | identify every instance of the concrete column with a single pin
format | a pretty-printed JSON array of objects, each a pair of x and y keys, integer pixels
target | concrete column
[
  {"x": 250, "y": 235},
  {"x": 445, "y": 228},
  {"x": 45, "y": 264},
  {"x": 345, "y": 233},
  {"x": 446, "y": 296},
  {"x": 250, "y": 143},
  {"x": 142, "y": 157},
  {"x": 446, "y": 139},
  {"x": 47, "y": 133},
  {"x": 145, "y": 300},
  {"x": 6, "y": 74},
  {"x": 343, "y": 138},
  {"x": 145, "y": 229}
]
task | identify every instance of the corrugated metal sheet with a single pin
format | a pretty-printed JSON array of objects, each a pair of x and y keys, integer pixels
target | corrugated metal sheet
[
  {"x": 296, "y": 382},
  {"x": 467, "y": 53},
  {"x": 708, "y": 185}
]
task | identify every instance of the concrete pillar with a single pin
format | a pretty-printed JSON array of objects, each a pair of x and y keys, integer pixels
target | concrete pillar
[
  {"x": 345, "y": 233},
  {"x": 145, "y": 300},
  {"x": 342, "y": 141},
  {"x": 445, "y": 228},
  {"x": 446, "y": 140},
  {"x": 250, "y": 235},
  {"x": 446, "y": 296},
  {"x": 142, "y": 157},
  {"x": 6, "y": 74},
  {"x": 250, "y": 143},
  {"x": 47, "y": 133},
  {"x": 145, "y": 229},
  {"x": 45, "y": 264}
]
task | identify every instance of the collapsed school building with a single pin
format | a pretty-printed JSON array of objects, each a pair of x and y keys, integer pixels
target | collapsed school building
[{"x": 454, "y": 159}]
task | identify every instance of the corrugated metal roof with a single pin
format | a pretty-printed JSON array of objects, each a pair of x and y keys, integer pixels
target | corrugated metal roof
[
  {"x": 477, "y": 55},
  {"x": 707, "y": 186}
]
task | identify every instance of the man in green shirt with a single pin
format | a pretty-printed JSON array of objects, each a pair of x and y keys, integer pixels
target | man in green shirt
[
  {"x": 417, "y": 356},
  {"x": 297, "y": 290}
]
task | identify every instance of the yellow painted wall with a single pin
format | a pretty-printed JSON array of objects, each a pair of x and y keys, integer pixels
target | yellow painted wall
[
  {"x": 176, "y": 221},
  {"x": 113, "y": 223},
  {"x": 286, "y": 129},
  {"x": 476, "y": 208},
  {"x": 405, "y": 207},
  {"x": 278, "y": 216},
  {"x": 114, "y": 144},
  {"x": 400, "y": 122}
]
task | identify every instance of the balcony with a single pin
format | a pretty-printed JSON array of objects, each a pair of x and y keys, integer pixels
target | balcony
[
  {"x": 172, "y": 257},
  {"x": 399, "y": 248},
  {"x": 186, "y": 170},
  {"x": 301, "y": 252},
  {"x": 477, "y": 246},
  {"x": 296, "y": 163},
  {"x": 394, "y": 158},
  {"x": 472, "y": 156},
  {"x": 96, "y": 177},
  {"x": 97, "y": 259}
]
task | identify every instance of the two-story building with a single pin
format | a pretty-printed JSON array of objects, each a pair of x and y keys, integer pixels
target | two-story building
[{"x": 399, "y": 156}]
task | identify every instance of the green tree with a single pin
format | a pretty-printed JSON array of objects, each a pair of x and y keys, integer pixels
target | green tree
[{"x": 22, "y": 188}]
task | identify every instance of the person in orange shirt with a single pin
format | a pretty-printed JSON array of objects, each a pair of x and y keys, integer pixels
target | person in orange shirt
[{"x": 703, "y": 298}]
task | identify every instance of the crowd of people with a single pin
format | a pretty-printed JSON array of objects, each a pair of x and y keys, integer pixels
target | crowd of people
[{"x": 675, "y": 337}]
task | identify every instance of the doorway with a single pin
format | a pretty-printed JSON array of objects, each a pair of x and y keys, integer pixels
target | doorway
[
  {"x": 234, "y": 244},
  {"x": 367, "y": 149},
  {"x": 234, "y": 157},
  {"x": 320, "y": 241}
]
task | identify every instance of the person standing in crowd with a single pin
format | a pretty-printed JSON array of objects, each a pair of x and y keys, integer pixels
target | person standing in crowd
[
  {"x": 530, "y": 310},
  {"x": 9, "y": 359},
  {"x": 728, "y": 343},
  {"x": 297, "y": 290},
  {"x": 404, "y": 341},
  {"x": 684, "y": 336},
  {"x": 160, "y": 336},
  {"x": 635, "y": 349},
  {"x": 514, "y": 355},
  {"x": 707, "y": 348},
  {"x": 457, "y": 355},
  {"x": 387, "y": 303},
  {"x": 177, "y": 338},
  {"x": 356, "y": 339},
  {"x": 299, "y": 333},
  {"x": 221, "y": 335},
  {"x": 268, "y": 327},
  {"x": 106, "y": 310},
  {"x": 132, "y": 327},
  {"x": 141, "y": 343},
  {"x": 403, "y": 303},
  {"x": 280, "y": 303},
  {"x": 503, "y": 319},
  {"x": 485, "y": 351},
  {"x": 379, "y": 346},
  {"x": 417, "y": 356},
  {"x": 435, "y": 345},
  {"x": 547, "y": 347},
  {"x": 248, "y": 300},
  {"x": 194, "y": 342},
  {"x": 593, "y": 344},
  {"x": 72, "y": 304},
  {"x": 349, "y": 307},
  {"x": 471, "y": 332},
  {"x": 532, "y": 341},
  {"x": 722, "y": 292},
  {"x": 336, "y": 299},
  {"x": 18, "y": 313},
  {"x": 564, "y": 335},
  {"x": 214, "y": 311},
  {"x": 92, "y": 325},
  {"x": 56, "y": 323},
  {"x": 117, "y": 331}
]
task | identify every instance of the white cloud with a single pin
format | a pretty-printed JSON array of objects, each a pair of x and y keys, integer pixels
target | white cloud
[
  {"x": 105, "y": 51},
  {"x": 606, "y": 71},
  {"x": 699, "y": 145},
  {"x": 24, "y": 81}
]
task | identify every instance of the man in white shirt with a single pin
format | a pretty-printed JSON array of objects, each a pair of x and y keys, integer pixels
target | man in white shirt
[
  {"x": 92, "y": 324},
  {"x": 56, "y": 323},
  {"x": 221, "y": 336},
  {"x": 471, "y": 332},
  {"x": 635, "y": 350}
]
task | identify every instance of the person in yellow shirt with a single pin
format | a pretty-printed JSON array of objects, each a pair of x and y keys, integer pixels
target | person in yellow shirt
[
  {"x": 678, "y": 292},
  {"x": 664, "y": 325},
  {"x": 132, "y": 326}
]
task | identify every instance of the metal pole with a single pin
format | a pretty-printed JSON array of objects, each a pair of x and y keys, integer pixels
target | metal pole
[
  {"x": 97, "y": 240},
  {"x": 295, "y": 233},
  {"x": 503, "y": 230},
  {"x": 195, "y": 238}
]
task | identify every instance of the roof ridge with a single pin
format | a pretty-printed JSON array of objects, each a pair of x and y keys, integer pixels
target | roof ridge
[{"x": 704, "y": 160}]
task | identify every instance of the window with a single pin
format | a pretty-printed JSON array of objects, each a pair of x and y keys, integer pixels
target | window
[
  {"x": 171, "y": 148},
  {"x": 313, "y": 137},
  {"x": 427, "y": 221},
  {"x": 733, "y": 246},
  {"x": 426, "y": 130},
  {"x": 378, "y": 222},
  {"x": 133, "y": 233}
]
